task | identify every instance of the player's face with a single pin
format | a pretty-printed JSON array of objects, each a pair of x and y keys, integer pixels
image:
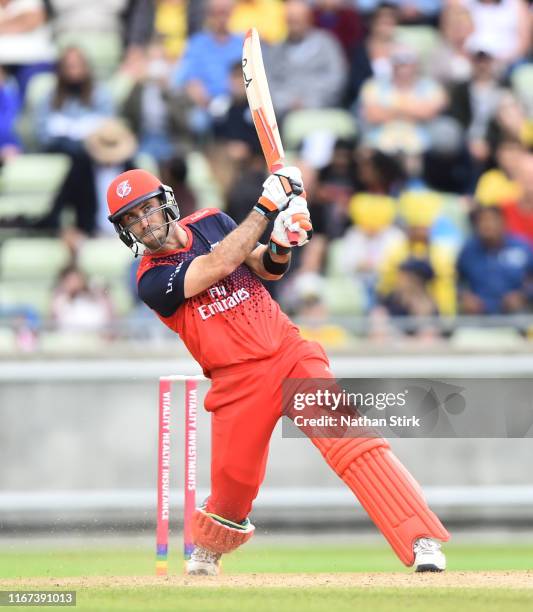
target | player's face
[{"x": 147, "y": 222}]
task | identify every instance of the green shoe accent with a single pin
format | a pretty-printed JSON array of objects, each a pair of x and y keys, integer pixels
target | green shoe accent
[{"x": 241, "y": 526}]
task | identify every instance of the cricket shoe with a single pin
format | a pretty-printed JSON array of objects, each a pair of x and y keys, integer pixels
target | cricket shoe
[
  {"x": 428, "y": 556},
  {"x": 203, "y": 562}
]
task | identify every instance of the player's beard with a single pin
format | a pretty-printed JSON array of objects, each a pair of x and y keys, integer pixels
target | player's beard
[{"x": 154, "y": 238}]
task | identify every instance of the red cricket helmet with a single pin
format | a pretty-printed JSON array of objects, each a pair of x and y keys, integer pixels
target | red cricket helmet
[{"x": 132, "y": 188}]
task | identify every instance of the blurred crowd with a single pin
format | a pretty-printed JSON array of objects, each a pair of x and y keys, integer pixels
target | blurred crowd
[{"x": 412, "y": 121}]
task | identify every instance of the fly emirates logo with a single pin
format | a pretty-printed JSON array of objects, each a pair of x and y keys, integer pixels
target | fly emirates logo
[{"x": 221, "y": 301}]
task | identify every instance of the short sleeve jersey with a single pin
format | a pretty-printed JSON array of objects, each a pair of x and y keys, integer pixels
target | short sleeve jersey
[{"x": 233, "y": 321}]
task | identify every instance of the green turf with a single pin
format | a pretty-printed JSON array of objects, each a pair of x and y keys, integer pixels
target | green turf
[
  {"x": 307, "y": 600},
  {"x": 296, "y": 600},
  {"x": 277, "y": 559}
]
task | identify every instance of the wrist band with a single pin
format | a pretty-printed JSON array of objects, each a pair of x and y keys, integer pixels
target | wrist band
[
  {"x": 274, "y": 267},
  {"x": 266, "y": 208},
  {"x": 278, "y": 249}
]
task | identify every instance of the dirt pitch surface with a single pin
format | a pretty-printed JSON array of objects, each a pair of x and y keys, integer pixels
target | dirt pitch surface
[{"x": 484, "y": 580}]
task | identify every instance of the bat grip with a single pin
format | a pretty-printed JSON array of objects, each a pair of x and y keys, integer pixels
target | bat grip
[{"x": 293, "y": 237}]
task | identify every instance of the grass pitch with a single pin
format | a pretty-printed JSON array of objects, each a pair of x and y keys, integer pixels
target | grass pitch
[{"x": 281, "y": 579}]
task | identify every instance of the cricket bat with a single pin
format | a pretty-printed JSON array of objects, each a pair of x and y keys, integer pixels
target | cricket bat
[{"x": 260, "y": 103}]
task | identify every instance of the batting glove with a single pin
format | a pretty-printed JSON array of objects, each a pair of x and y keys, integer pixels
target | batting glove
[
  {"x": 278, "y": 190},
  {"x": 295, "y": 218}
]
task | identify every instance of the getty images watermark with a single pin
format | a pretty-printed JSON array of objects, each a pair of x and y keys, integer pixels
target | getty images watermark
[{"x": 408, "y": 408}]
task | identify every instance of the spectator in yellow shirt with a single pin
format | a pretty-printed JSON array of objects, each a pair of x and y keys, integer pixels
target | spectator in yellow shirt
[
  {"x": 268, "y": 16},
  {"x": 498, "y": 186},
  {"x": 171, "y": 25},
  {"x": 418, "y": 245}
]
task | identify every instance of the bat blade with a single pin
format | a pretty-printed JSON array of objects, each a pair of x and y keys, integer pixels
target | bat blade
[{"x": 260, "y": 103}]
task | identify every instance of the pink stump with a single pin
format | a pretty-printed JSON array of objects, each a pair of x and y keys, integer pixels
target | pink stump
[
  {"x": 191, "y": 404},
  {"x": 163, "y": 477}
]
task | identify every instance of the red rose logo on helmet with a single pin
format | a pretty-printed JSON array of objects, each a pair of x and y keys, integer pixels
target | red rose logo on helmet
[{"x": 123, "y": 189}]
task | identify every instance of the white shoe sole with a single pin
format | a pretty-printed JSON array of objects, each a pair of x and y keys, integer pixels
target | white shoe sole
[{"x": 428, "y": 567}]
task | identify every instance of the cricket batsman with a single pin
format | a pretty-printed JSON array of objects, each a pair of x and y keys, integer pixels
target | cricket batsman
[{"x": 201, "y": 276}]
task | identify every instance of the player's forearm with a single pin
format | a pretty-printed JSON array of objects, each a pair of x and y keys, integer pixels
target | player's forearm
[{"x": 238, "y": 244}]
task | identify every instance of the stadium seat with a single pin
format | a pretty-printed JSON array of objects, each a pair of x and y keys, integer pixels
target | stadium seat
[
  {"x": 454, "y": 208},
  {"x": 422, "y": 39},
  {"x": 24, "y": 292},
  {"x": 480, "y": 338},
  {"x": 73, "y": 343},
  {"x": 334, "y": 268},
  {"x": 120, "y": 87},
  {"x": 301, "y": 123},
  {"x": 121, "y": 298},
  {"x": 105, "y": 258},
  {"x": 8, "y": 341},
  {"x": 147, "y": 162},
  {"x": 522, "y": 85},
  {"x": 39, "y": 86},
  {"x": 32, "y": 259},
  {"x": 343, "y": 297},
  {"x": 29, "y": 205},
  {"x": 33, "y": 173},
  {"x": 201, "y": 181},
  {"x": 103, "y": 49},
  {"x": 107, "y": 262}
]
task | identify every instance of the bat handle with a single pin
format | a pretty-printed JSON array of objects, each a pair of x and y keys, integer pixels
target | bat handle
[{"x": 293, "y": 237}]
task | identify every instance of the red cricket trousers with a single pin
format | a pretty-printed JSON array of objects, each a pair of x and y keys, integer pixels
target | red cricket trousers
[{"x": 246, "y": 403}]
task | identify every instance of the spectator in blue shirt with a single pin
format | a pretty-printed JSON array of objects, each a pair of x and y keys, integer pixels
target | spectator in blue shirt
[
  {"x": 74, "y": 107},
  {"x": 10, "y": 106},
  {"x": 409, "y": 11},
  {"x": 203, "y": 72},
  {"x": 494, "y": 268}
]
